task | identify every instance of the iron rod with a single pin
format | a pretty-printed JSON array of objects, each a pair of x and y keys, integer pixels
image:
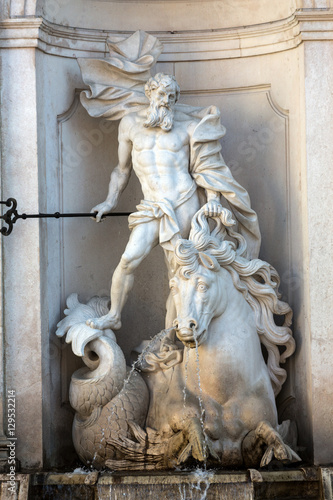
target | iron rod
[
  {"x": 11, "y": 216},
  {"x": 57, "y": 215}
]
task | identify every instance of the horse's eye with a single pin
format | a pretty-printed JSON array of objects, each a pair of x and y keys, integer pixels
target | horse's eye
[
  {"x": 202, "y": 287},
  {"x": 173, "y": 287}
]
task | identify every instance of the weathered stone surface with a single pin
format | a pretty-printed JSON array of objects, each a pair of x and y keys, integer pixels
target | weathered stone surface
[
  {"x": 327, "y": 482},
  {"x": 14, "y": 489},
  {"x": 285, "y": 485}
]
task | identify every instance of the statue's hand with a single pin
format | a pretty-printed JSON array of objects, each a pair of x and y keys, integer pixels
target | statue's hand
[
  {"x": 213, "y": 208},
  {"x": 101, "y": 209}
]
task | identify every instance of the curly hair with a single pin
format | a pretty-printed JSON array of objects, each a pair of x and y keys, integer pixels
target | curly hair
[{"x": 161, "y": 80}]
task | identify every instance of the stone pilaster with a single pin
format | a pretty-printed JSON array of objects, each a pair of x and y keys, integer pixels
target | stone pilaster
[
  {"x": 21, "y": 280},
  {"x": 319, "y": 150}
]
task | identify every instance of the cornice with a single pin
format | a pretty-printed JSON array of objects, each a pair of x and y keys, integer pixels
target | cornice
[
  {"x": 51, "y": 38},
  {"x": 195, "y": 45},
  {"x": 267, "y": 38},
  {"x": 231, "y": 43},
  {"x": 316, "y": 25}
]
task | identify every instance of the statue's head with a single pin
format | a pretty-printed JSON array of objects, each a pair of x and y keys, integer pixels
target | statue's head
[{"x": 163, "y": 93}]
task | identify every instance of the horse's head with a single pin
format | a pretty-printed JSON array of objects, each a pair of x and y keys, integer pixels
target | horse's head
[
  {"x": 197, "y": 283},
  {"x": 197, "y": 292}
]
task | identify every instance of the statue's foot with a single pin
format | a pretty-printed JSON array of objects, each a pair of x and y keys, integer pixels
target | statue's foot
[
  {"x": 104, "y": 322},
  {"x": 265, "y": 436},
  {"x": 279, "y": 450},
  {"x": 190, "y": 442}
]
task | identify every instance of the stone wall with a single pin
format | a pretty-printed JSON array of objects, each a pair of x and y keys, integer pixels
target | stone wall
[{"x": 266, "y": 66}]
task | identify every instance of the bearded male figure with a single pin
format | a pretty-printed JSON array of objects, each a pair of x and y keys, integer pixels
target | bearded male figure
[{"x": 175, "y": 156}]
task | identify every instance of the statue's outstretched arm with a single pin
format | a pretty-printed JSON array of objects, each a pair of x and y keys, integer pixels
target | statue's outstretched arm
[{"x": 119, "y": 176}]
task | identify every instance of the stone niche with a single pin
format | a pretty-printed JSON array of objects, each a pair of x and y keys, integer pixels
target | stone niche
[
  {"x": 249, "y": 59},
  {"x": 256, "y": 110}
]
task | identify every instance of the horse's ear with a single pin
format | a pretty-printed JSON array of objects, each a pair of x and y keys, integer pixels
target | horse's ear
[{"x": 207, "y": 261}]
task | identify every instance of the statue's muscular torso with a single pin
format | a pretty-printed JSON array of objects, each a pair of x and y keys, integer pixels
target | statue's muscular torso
[{"x": 160, "y": 159}]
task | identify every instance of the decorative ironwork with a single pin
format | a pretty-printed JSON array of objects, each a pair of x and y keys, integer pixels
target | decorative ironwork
[{"x": 12, "y": 215}]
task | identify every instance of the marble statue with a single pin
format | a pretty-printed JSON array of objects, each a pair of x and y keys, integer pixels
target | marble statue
[
  {"x": 201, "y": 390},
  {"x": 175, "y": 153}
]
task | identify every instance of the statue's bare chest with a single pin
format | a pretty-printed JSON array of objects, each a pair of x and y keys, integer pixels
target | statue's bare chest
[{"x": 157, "y": 140}]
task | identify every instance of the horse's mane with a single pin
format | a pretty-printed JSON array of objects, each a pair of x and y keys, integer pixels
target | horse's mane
[{"x": 257, "y": 280}]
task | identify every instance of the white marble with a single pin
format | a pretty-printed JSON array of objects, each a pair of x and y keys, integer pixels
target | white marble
[
  {"x": 264, "y": 78},
  {"x": 174, "y": 151},
  {"x": 213, "y": 398}
]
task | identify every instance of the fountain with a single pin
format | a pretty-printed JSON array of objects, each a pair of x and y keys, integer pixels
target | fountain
[{"x": 201, "y": 395}]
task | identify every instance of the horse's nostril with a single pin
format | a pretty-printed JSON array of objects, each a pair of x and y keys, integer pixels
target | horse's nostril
[
  {"x": 193, "y": 324},
  {"x": 175, "y": 323}
]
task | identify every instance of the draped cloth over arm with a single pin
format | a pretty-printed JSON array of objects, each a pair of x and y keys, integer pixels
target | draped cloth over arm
[
  {"x": 209, "y": 171},
  {"x": 117, "y": 88}
]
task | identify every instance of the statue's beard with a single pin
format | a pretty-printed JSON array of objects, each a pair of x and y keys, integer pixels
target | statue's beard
[{"x": 159, "y": 116}]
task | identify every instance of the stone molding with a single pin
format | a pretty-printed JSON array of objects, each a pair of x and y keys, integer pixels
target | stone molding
[
  {"x": 197, "y": 45},
  {"x": 230, "y": 43},
  {"x": 260, "y": 39},
  {"x": 52, "y": 38},
  {"x": 316, "y": 25}
]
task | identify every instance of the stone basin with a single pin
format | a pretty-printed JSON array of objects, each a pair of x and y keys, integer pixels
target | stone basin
[{"x": 288, "y": 484}]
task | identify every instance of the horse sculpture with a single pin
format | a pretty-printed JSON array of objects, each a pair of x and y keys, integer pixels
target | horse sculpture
[
  {"x": 212, "y": 398},
  {"x": 225, "y": 309}
]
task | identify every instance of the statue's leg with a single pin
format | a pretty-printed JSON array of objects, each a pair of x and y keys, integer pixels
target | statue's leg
[
  {"x": 184, "y": 214},
  {"x": 143, "y": 239},
  {"x": 170, "y": 303},
  {"x": 168, "y": 341},
  {"x": 170, "y": 311}
]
